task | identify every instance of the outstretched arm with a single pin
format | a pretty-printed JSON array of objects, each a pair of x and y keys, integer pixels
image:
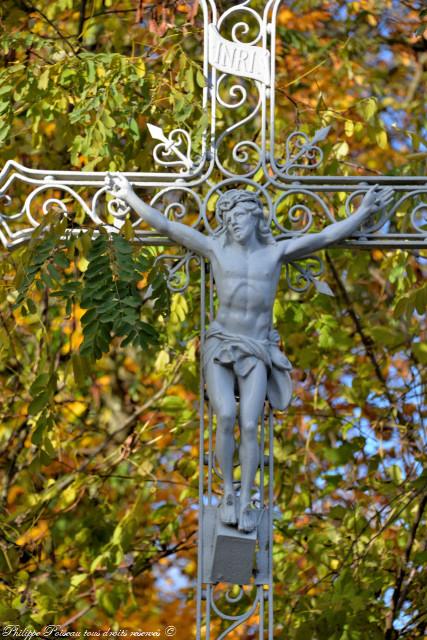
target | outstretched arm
[
  {"x": 176, "y": 231},
  {"x": 374, "y": 200}
]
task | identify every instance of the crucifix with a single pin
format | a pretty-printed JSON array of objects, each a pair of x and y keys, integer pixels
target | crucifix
[
  {"x": 242, "y": 235},
  {"x": 241, "y": 345}
]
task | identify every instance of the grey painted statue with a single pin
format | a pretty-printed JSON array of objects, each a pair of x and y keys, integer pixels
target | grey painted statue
[{"x": 241, "y": 345}]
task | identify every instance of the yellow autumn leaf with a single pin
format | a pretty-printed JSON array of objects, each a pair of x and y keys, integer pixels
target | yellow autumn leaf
[
  {"x": 13, "y": 493},
  {"x": 140, "y": 68},
  {"x": 341, "y": 150},
  {"x": 104, "y": 381},
  {"x": 83, "y": 264},
  {"x": 68, "y": 497},
  {"x": 130, "y": 365},
  {"x": 34, "y": 534},
  {"x": 349, "y": 128},
  {"x": 284, "y": 16},
  {"x": 382, "y": 139},
  {"x": 162, "y": 360},
  {"x": 77, "y": 408}
]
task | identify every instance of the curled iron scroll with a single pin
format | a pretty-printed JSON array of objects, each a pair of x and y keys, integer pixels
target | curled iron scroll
[
  {"x": 31, "y": 212},
  {"x": 387, "y": 216},
  {"x": 240, "y": 28},
  {"x": 240, "y": 150},
  {"x": 174, "y": 207},
  {"x": 175, "y": 150},
  {"x": 236, "y": 620},
  {"x": 301, "y": 213},
  {"x": 178, "y": 270},
  {"x": 303, "y": 274},
  {"x": 302, "y": 153}
]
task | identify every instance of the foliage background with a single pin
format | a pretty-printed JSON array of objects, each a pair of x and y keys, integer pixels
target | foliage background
[{"x": 99, "y": 455}]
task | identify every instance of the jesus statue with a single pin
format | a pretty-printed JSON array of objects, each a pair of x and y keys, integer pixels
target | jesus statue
[{"x": 241, "y": 346}]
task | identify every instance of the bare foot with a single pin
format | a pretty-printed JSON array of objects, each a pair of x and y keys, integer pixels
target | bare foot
[
  {"x": 227, "y": 509},
  {"x": 248, "y": 519}
]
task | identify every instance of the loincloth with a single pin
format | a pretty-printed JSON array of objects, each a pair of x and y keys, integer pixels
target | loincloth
[{"x": 242, "y": 353}]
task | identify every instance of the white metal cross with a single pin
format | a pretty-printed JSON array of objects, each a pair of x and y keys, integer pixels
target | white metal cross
[{"x": 239, "y": 69}]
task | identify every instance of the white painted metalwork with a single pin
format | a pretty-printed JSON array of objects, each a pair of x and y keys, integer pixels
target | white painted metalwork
[{"x": 239, "y": 68}]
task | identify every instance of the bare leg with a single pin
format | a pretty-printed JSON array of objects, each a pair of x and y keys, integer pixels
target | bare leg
[
  {"x": 220, "y": 385},
  {"x": 253, "y": 390}
]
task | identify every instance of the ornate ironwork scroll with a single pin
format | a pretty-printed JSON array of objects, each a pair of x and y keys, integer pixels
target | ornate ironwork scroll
[{"x": 239, "y": 149}]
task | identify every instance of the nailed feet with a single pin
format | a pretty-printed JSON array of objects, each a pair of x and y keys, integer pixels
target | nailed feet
[
  {"x": 248, "y": 518},
  {"x": 227, "y": 509}
]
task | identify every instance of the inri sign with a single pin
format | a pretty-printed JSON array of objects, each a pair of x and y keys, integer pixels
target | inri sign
[{"x": 238, "y": 59}]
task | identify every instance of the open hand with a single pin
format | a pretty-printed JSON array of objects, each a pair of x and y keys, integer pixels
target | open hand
[
  {"x": 377, "y": 198},
  {"x": 118, "y": 185}
]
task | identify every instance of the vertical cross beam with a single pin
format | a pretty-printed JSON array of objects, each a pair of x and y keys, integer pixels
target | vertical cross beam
[{"x": 239, "y": 68}]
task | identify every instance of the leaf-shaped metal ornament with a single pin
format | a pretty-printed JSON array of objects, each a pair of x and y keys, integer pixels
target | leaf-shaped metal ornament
[
  {"x": 174, "y": 149},
  {"x": 323, "y": 287},
  {"x": 303, "y": 152},
  {"x": 156, "y": 132},
  {"x": 321, "y": 135}
]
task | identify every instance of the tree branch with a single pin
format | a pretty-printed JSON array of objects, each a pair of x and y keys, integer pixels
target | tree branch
[
  {"x": 22, "y": 4},
  {"x": 82, "y": 18},
  {"x": 76, "y": 616},
  {"x": 366, "y": 340},
  {"x": 397, "y": 598}
]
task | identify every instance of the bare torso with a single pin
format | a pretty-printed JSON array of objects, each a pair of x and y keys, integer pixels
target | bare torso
[{"x": 246, "y": 283}]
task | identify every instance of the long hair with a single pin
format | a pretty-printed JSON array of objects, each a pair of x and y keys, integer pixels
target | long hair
[{"x": 228, "y": 201}]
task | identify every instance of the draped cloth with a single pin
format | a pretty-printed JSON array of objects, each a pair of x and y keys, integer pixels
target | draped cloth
[{"x": 241, "y": 353}]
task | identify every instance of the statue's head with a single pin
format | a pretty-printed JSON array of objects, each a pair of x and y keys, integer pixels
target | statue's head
[{"x": 241, "y": 211}]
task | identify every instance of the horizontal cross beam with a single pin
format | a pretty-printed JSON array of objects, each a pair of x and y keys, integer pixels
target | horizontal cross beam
[{"x": 294, "y": 211}]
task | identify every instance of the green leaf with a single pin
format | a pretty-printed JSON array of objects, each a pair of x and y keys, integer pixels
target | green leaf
[
  {"x": 77, "y": 579},
  {"x": 40, "y": 384},
  {"x": 43, "y": 82},
  {"x": 39, "y": 403},
  {"x": 200, "y": 79},
  {"x": 369, "y": 108},
  {"x": 134, "y": 129},
  {"x": 31, "y": 306},
  {"x": 81, "y": 369}
]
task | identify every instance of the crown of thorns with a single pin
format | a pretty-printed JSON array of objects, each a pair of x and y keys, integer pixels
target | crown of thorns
[{"x": 229, "y": 200}]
